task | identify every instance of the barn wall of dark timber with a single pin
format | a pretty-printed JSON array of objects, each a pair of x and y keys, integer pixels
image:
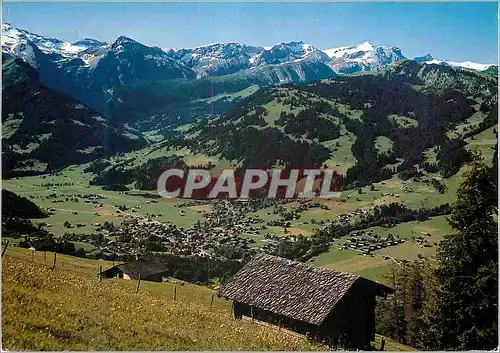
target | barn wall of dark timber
[
  {"x": 350, "y": 324},
  {"x": 242, "y": 309},
  {"x": 156, "y": 277}
]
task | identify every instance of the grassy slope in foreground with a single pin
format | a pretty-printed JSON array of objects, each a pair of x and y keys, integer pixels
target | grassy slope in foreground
[{"x": 69, "y": 309}]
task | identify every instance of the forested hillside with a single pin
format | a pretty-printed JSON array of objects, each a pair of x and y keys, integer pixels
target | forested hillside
[
  {"x": 390, "y": 124},
  {"x": 45, "y": 130}
]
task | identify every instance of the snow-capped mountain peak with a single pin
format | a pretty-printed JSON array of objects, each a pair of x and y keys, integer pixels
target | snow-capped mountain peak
[
  {"x": 214, "y": 45},
  {"x": 349, "y": 50},
  {"x": 362, "y": 57},
  {"x": 424, "y": 58},
  {"x": 292, "y": 51},
  {"x": 88, "y": 42},
  {"x": 216, "y": 58},
  {"x": 13, "y": 37},
  {"x": 125, "y": 40}
]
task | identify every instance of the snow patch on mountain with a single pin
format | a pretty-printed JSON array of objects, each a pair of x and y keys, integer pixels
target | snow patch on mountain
[{"x": 470, "y": 65}]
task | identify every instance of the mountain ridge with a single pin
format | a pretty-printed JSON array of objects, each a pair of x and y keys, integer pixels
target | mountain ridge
[{"x": 221, "y": 58}]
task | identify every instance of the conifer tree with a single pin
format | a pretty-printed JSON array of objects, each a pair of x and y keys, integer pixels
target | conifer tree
[{"x": 468, "y": 266}]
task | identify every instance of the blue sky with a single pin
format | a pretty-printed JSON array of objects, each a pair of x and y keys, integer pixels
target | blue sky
[{"x": 452, "y": 31}]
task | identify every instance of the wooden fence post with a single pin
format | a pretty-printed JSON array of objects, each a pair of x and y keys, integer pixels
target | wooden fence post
[
  {"x": 212, "y": 301},
  {"x": 234, "y": 310},
  {"x": 100, "y": 271},
  {"x": 138, "y": 284},
  {"x": 208, "y": 272},
  {"x": 5, "y": 247},
  {"x": 55, "y": 259},
  {"x": 174, "y": 294},
  {"x": 251, "y": 311},
  {"x": 45, "y": 256},
  {"x": 32, "y": 255},
  {"x": 382, "y": 344}
]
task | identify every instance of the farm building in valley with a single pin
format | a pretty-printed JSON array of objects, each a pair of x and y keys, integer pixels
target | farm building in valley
[
  {"x": 337, "y": 308},
  {"x": 42, "y": 244},
  {"x": 147, "y": 270}
]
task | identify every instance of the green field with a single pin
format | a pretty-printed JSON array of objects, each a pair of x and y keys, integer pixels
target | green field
[
  {"x": 334, "y": 254},
  {"x": 383, "y": 144},
  {"x": 403, "y": 121},
  {"x": 472, "y": 123},
  {"x": 69, "y": 309},
  {"x": 341, "y": 157},
  {"x": 373, "y": 268},
  {"x": 231, "y": 96},
  {"x": 87, "y": 213},
  {"x": 437, "y": 226},
  {"x": 484, "y": 143},
  {"x": 376, "y": 267}
]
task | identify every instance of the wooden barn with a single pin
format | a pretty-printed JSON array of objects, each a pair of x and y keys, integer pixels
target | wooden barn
[
  {"x": 42, "y": 244},
  {"x": 334, "y": 307},
  {"x": 148, "y": 270}
]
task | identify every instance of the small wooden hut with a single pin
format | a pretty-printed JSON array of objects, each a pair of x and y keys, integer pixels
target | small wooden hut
[
  {"x": 334, "y": 307},
  {"x": 42, "y": 244},
  {"x": 147, "y": 270}
]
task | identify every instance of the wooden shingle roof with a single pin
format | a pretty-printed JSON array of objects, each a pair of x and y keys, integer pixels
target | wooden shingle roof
[
  {"x": 45, "y": 243},
  {"x": 289, "y": 288},
  {"x": 145, "y": 268}
]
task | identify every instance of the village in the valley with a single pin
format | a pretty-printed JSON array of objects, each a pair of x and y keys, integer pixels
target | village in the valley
[{"x": 228, "y": 229}]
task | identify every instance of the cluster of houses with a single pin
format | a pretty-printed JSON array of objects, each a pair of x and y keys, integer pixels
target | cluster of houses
[
  {"x": 137, "y": 236},
  {"x": 306, "y": 204},
  {"x": 223, "y": 228},
  {"x": 88, "y": 198},
  {"x": 390, "y": 194},
  {"x": 52, "y": 185},
  {"x": 192, "y": 203},
  {"x": 234, "y": 216},
  {"x": 348, "y": 218},
  {"x": 421, "y": 240},
  {"x": 91, "y": 197},
  {"x": 367, "y": 242}
]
